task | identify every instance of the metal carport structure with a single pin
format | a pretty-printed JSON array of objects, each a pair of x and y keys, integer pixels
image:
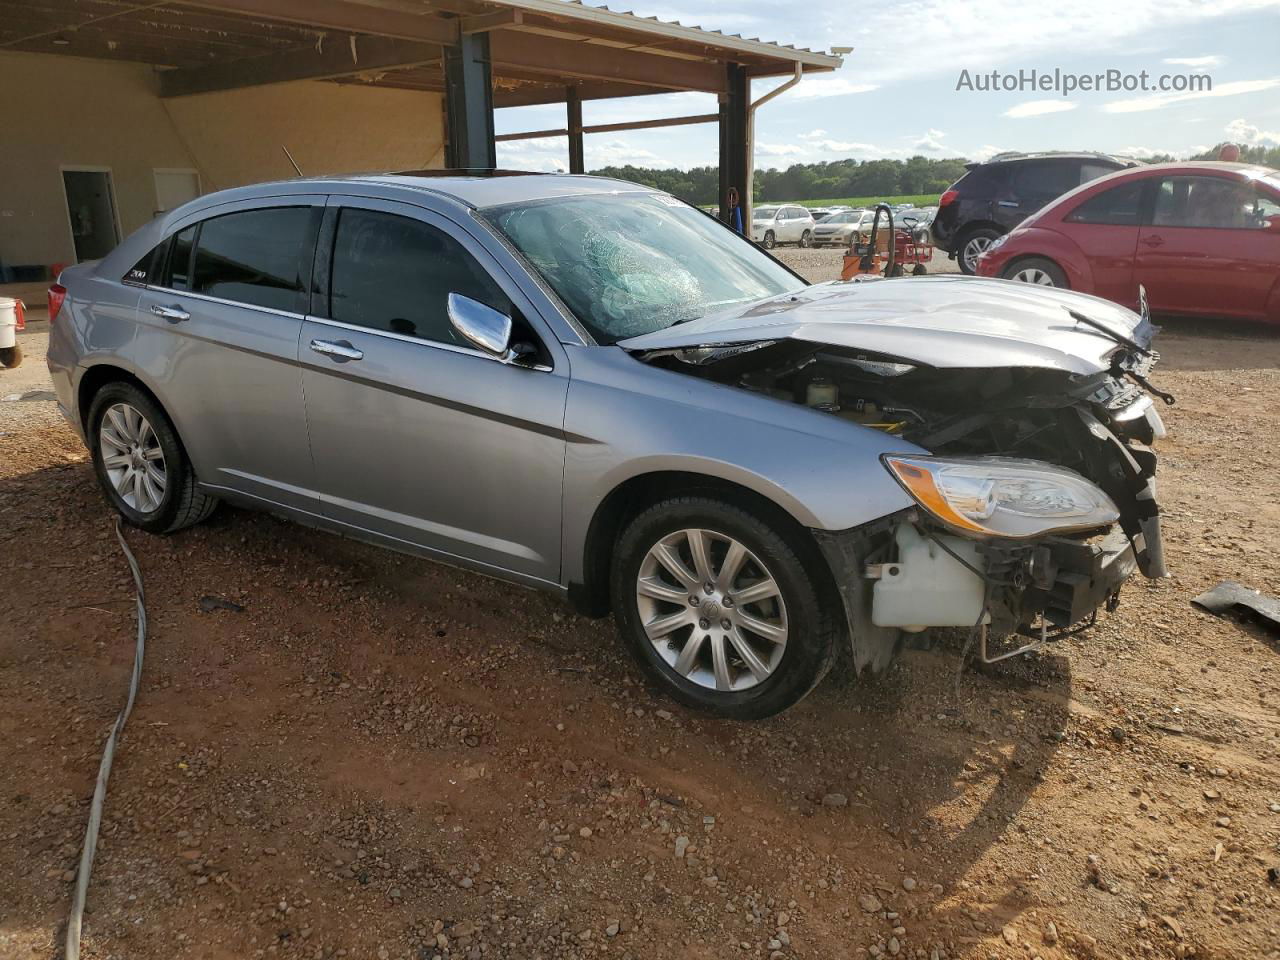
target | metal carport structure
[{"x": 479, "y": 54}]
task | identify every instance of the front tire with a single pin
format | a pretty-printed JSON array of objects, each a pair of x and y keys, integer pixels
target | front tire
[
  {"x": 140, "y": 464},
  {"x": 719, "y": 608},
  {"x": 975, "y": 244},
  {"x": 1039, "y": 271},
  {"x": 770, "y": 241}
]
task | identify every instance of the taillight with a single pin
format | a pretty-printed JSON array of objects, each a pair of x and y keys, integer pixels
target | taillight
[
  {"x": 948, "y": 197},
  {"x": 57, "y": 293}
]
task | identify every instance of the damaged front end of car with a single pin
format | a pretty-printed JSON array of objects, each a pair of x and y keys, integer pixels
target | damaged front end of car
[{"x": 1034, "y": 499}]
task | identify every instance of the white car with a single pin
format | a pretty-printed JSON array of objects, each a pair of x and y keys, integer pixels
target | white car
[
  {"x": 12, "y": 319},
  {"x": 787, "y": 223},
  {"x": 838, "y": 229}
]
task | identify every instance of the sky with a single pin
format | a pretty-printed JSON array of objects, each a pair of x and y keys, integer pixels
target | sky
[{"x": 897, "y": 95}]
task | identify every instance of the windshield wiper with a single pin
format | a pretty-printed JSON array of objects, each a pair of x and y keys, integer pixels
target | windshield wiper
[{"x": 1112, "y": 335}]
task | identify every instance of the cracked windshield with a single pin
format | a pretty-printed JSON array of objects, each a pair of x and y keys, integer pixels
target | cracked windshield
[{"x": 632, "y": 264}]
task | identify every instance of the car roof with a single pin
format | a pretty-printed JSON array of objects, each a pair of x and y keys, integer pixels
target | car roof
[
  {"x": 1243, "y": 171},
  {"x": 1248, "y": 171},
  {"x": 471, "y": 188},
  {"x": 1055, "y": 155}
]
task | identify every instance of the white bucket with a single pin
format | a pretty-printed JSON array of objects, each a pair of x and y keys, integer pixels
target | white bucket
[{"x": 8, "y": 322}]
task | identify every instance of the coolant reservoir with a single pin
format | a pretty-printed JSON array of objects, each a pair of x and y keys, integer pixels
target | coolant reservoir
[
  {"x": 822, "y": 394},
  {"x": 926, "y": 586}
]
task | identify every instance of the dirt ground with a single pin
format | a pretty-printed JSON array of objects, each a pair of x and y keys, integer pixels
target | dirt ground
[{"x": 381, "y": 757}]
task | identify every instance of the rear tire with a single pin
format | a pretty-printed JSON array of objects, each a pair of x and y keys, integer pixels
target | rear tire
[
  {"x": 1039, "y": 271},
  {"x": 140, "y": 463},
  {"x": 806, "y": 238},
  {"x": 973, "y": 245},
  {"x": 745, "y": 658},
  {"x": 770, "y": 241},
  {"x": 10, "y": 357}
]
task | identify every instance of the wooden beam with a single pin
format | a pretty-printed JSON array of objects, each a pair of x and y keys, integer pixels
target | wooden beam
[
  {"x": 528, "y": 95},
  {"x": 613, "y": 127},
  {"x": 337, "y": 57},
  {"x": 343, "y": 16},
  {"x": 593, "y": 61},
  {"x": 531, "y": 135},
  {"x": 481, "y": 23},
  {"x": 573, "y": 115}
]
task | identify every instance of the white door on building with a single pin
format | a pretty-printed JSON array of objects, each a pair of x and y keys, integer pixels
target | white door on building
[{"x": 175, "y": 187}]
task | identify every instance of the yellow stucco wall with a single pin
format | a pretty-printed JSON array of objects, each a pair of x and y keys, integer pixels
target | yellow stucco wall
[{"x": 64, "y": 111}]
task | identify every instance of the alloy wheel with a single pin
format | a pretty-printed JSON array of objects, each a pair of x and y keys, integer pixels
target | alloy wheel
[
  {"x": 712, "y": 610},
  {"x": 1034, "y": 275},
  {"x": 132, "y": 457},
  {"x": 973, "y": 249}
]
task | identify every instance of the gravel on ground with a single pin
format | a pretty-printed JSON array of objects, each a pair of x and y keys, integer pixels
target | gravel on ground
[{"x": 376, "y": 756}]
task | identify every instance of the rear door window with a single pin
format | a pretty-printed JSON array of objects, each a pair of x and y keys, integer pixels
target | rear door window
[
  {"x": 1046, "y": 178},
  {"x": 395, "y": 274},
  {"x": 983, "y": 181},
  {"x": 256, "y": 257},
  {"x": 1092, "y": 171},
  {"x": 1119, "y": 206},
  {"x": 184, "y": 243}
]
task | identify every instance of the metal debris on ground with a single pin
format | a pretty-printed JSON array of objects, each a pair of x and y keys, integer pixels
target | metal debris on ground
[{"x": 1229, "y": 595}]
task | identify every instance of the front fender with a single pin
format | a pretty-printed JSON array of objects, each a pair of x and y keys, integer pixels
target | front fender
[{"x": 625, "y": 419}]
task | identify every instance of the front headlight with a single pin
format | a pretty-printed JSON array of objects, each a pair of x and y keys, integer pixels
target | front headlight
[
  {"x": 1003, "y": 496},
  {"x": 998, "y": 242}
]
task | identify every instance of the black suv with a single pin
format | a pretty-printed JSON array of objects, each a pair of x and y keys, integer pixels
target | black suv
[{"x": 994, "y": 197}]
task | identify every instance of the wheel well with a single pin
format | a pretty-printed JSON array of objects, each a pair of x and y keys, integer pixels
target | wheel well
[
  {"x": 1023, "y": 258},
  {"x": 632, "y": 497},
  {"x": 973, "y": 225},
  {"x": 97, "y": 377}
]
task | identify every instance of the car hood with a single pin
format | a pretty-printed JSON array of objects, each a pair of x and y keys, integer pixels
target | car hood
[{"x": 942, "y": 321}]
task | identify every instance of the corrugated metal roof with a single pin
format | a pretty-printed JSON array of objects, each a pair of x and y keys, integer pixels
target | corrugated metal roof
[{"x": 578, "y": 10}]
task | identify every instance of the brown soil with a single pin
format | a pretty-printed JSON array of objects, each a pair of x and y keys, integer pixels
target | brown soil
[{"x": 382, "y": 757}]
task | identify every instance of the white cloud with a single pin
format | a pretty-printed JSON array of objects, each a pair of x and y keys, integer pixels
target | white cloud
[
  {"x": 1238, "y": 131},
  {"x": 985, "y": 152},
  {"x": 779, "y": 150},
  {"x": 827, "y": 85},
  {"x": 931, "y": 141},
  {"x": 1038, "y": 108},
  {"x": 814, "y": 134},
  {"x": 1195, "y": 63},
  {"x": 551, "y": 154},
  {"x": 1233, "y": 89}
]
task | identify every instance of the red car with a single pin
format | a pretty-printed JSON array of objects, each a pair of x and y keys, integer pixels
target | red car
[{"x": 1202, "y": 238}]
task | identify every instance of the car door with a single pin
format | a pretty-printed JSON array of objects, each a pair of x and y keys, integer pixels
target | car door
[
  {"x": 218, "y": 334},
  {"x": 1208, "y": 249},
  {"x": 800, "y": 222},
  {"x": 1104, "y": 226},
  {"x": 419, "y": 439},
  {"x": 1034, "y": 184}
]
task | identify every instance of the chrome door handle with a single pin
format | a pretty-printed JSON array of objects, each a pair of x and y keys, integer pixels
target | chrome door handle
[
  {"x": 1007, "y": 203},
  {"x": 339, "y": 350},
  {"x": 174, "y": 314}
]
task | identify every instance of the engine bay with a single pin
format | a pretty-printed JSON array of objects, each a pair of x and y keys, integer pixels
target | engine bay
[{"x": 1100, "y": 426}]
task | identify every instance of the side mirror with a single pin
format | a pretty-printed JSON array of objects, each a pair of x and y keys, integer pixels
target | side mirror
[{"x": 480, "y": 325}]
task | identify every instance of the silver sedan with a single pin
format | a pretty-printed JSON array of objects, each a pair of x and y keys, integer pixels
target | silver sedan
[{"x": 592, "y": 388}]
